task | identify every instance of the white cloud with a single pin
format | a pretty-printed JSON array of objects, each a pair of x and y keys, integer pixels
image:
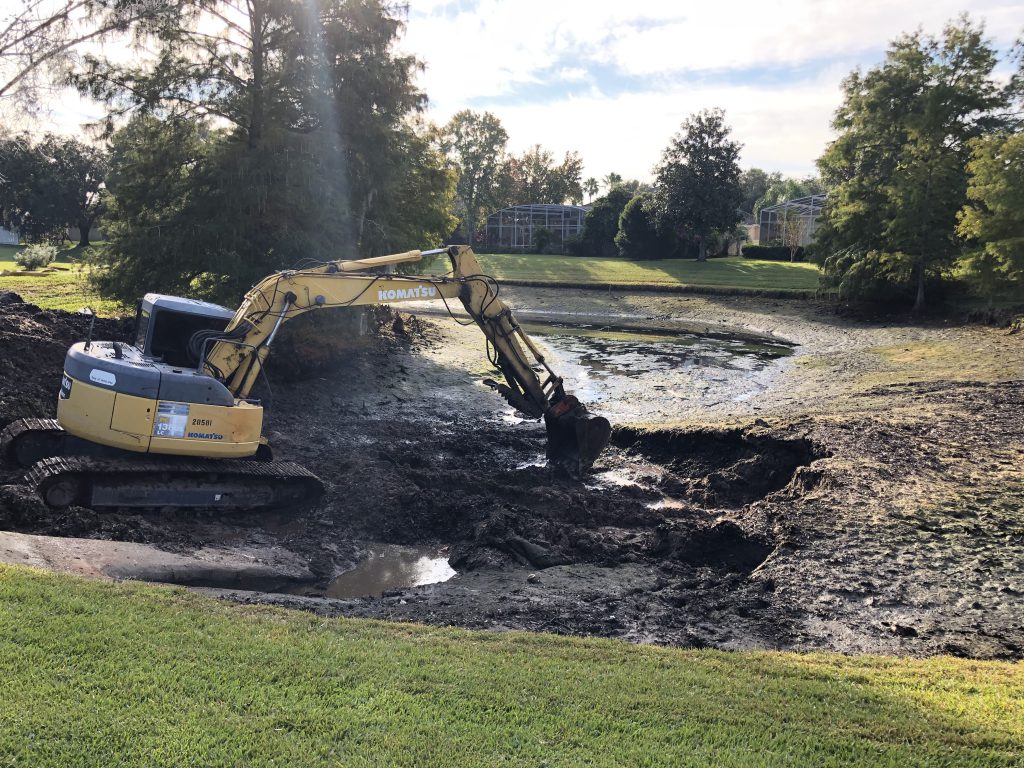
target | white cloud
[
  {"x": 782, "y": 128},
  {"x": 479, "y": 50},
  {"x": 572, "y": 74}
]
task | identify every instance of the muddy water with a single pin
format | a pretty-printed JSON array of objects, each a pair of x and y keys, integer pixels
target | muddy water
[
  {"x": 617, "y": 370},
  {"x": 388, "y": 567}
]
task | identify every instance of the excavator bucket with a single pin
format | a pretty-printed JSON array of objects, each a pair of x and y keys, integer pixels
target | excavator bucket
[{"x": 575, "y": 437}]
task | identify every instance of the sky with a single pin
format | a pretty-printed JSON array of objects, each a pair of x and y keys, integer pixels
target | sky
[{"x": 614, "y": 80}]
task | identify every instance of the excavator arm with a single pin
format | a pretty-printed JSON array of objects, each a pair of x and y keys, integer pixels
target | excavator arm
[{"x": 237, "y": 354}]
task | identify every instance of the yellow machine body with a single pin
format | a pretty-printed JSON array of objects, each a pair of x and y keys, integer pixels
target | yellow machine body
[{"x": 143, "y": 425}]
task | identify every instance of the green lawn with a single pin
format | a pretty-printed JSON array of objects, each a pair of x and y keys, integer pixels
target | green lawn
[
  {"x": 123, "y": 674},
  {"x": 734, "y": 272},
  {"x": 66, "y": 289}
]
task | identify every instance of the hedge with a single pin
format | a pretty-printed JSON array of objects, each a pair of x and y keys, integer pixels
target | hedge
[{"x": 770, "y": 252}]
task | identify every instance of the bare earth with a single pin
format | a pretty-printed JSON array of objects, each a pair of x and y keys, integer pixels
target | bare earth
[{"x": 863, "y": 495}]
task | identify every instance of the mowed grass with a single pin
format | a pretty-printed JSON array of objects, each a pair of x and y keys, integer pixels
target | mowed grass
[
  {"x": 66, "y": 289},
  {"x": 124, "y": 674},
  {"x": 733, "y": 272}
]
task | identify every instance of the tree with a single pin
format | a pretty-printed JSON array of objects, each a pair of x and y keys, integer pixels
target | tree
[
  {"x": 611, "y": 181},
  {"x": 642, "y": 234},
  {"x": 601, "y": 224},
  {"x": 534, "y": 177},
  {"x": 50, "y": 185},
  {"x": 29, "y": 195},
  {"x": 754, "y": 182},
  {"x": 80, "y": 171},
  {"x": 897, "y": 170},
  {"x": 314, "y": 141},
  {"x": 419, "y": 209},
  {"x": 475, "y": 144},
  {"x": 698, "y": 179},
  {"x": 782, "y": 188},
  {"x": 591, "y": 187},
  {"x": 793, "y": 230},
  {"x": 993, "y": 219},
  {"x": 39, "y": 37}
]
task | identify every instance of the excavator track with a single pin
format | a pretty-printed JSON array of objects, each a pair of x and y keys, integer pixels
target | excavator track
[
  {"x": 26, "y": 441},
  {"x": 227, "y": 484}
]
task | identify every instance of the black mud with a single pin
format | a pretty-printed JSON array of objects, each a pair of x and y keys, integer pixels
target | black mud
[{"x": 810, "y": 532}]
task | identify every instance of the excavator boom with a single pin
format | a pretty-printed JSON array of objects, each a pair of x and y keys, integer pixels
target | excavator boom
[{"x": 575, "y": 437}]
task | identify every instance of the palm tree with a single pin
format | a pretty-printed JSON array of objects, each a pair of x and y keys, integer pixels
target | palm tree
[
  {"x": 590, "y": 186},
  {"x": 612, "y": 180}
]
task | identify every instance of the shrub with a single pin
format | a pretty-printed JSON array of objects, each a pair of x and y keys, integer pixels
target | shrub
[
  {"x": 642, "y": 234},
  {"x": 601, "y": 224},
  {"x": 542, "y": 239},
  {"x": 36, "y": 256},
  {"x": 770, "y": 252}
]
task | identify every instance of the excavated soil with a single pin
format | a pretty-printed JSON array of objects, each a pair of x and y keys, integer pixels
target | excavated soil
[{"x": 873, "y": 516}]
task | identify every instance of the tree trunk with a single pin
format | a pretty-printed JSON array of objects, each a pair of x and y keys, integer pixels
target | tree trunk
[
  {"x": 702, "y": 249},
  {"x": 256, "y": 102},
  {"x": 471, "y": 222},
  {"x": 919, "y": 299},
  {"x": 83, "y": 233}
]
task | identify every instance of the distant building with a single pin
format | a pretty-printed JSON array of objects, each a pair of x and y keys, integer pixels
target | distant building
[
  {"x": 515, "y": 227},
  {"x": 10, "y": 237},
  {"x": 808, "y": 208}
]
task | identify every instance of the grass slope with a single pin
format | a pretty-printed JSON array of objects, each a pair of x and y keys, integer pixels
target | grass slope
[
  {"x": 67, "y": 289},
  {"x": 119, "y": 674},
  {"x": 732, "y": 272}
]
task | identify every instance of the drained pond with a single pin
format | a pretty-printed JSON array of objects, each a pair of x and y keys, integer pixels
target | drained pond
[{"x": 610, "y": 367}]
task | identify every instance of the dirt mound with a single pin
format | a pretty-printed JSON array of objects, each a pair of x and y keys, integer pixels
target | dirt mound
[
  {"x": 722, "y": 468},
  {"x": 33, "y": 342}
]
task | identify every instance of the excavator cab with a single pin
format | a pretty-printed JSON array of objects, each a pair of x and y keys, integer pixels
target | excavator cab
[{"x": 164, "y": 325}]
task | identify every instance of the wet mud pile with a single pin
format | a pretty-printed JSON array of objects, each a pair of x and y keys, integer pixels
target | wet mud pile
[
  {"x": 897, "y": 530},
  {"x": 33, "y": 342}
]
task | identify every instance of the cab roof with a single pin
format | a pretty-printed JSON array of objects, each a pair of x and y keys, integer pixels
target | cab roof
[{"x": 152, "y": 301}]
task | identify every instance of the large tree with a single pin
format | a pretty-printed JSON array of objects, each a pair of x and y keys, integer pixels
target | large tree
[
  {"x": 698, "y": 179},
  {"x": 80, "y": 170},
  {"x": 475, "y": 144},
  {"x": 39, "y": 39},
  {"x": 642, "y": 231},
  {"x": 897, "y": 170},
  {"x": 536, "y": 177},
  {"x": 755, "y": 182},
  {"x": 601, "y": 223},
  {"x": 295, "y": 121},
  {"x": 50, "y": 185},
  {"x": 993, "y": 219}
]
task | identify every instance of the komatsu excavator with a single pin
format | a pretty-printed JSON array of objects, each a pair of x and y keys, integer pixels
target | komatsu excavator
[{"x": 169, "y": 419}]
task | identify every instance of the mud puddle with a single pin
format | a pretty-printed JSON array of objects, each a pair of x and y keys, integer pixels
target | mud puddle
[
  {"x": 388, "y": 568},
  {"x": 618, "y": 369}
]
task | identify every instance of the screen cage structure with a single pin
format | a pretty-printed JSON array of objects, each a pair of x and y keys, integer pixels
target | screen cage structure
[
  {"x": 806, "y": 209},
  {"x": 516, "y": 227}
]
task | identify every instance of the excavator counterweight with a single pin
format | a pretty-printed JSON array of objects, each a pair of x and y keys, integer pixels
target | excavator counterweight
[{"x": 168, "y": 419}]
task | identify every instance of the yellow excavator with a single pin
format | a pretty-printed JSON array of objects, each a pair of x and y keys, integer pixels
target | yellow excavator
[{"x": 169, "y": 421}]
